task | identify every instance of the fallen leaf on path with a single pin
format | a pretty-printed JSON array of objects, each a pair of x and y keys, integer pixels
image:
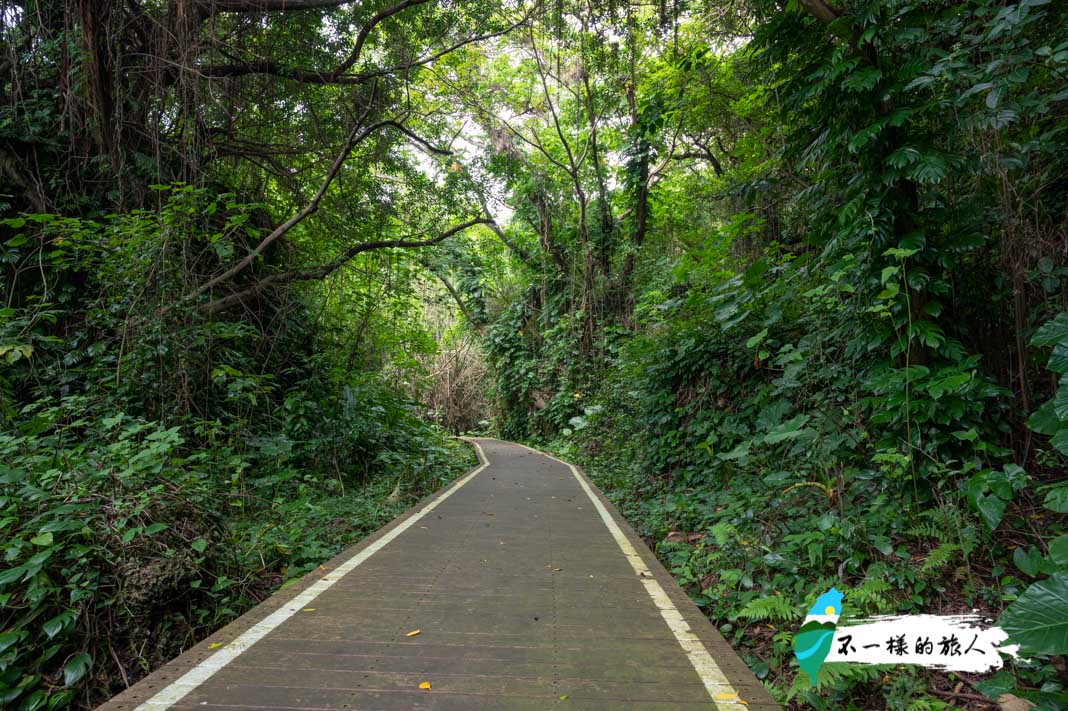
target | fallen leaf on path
[
  {"x": 424, "y": 685},
  {"x": 215, "y": 645},
  {"x": 309, "y": 609},
  {"x": 557, "y": 570},
  {"x": 564, "y": 697},
  {"x": 413, "y": 633}
]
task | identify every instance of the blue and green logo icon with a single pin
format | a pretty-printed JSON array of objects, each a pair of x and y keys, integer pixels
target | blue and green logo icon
[{"x": 813, "y": 641}]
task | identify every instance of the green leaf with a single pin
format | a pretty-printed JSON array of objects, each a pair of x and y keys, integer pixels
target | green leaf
[
  {"x": 199, "y": 545},
  {"x": 1045, "y": 420},
  {"x": 1052, "y": 332},
  {"x": 1038, "y": 620},
  {"x": 738, "y": 453},
  {"x": 1057, "y": 499},
  {"x": 75, "y": 668},
  {"x": 755, "y": 340},
  {"x": 862, "y": 79},
  {"x": 55, "y": 625},
  {"x": 1058, "y": 360},
  {"x": 1058, "y": 552},
  {"x": 1001, "y": 683},
  {"x": 1060, "y": 399},
  {"x": 12, "y": 574},
  {"x": 60, "y": 699},
  {"x": 1015, "y": 475},
  {"x": 43, "y": 539},
  {"x": 991, "y": 508},
  {"x": 882, "y": 544},
  {"x": 1060, "y": 441},
  {"x": 903, "y": 156},
  {"x": 9, "y": 638},
  {"x": 787, "y": 430},
  {"x": 1027, "y": 560},
  {"x": 34, "y": 701},
  {"x": 155, "y": 528},
  {"x": 931, "y": 168}
]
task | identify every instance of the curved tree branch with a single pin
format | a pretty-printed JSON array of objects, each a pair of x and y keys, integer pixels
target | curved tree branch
[
  {"x": 355, "y": 137},
  {"x": 321, "y": 272},
  {"x": 361, "y": 38}
]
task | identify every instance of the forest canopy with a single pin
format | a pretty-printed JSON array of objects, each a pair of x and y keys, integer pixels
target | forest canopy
[{"x": 788, "y": 278}]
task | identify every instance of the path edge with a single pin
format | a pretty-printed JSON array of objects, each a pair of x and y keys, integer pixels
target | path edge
[
  {"x": 162, "y": 677},
  {"x": 756, "y": 697}
]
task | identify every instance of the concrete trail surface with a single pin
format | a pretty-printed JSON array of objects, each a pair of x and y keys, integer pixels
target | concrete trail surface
[{"x": 528, "y": 589}]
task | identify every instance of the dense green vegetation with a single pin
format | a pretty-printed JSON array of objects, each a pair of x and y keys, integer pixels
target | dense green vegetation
[{"x": 789, "y": 278}]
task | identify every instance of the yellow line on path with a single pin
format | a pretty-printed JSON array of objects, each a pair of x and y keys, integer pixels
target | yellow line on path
[{"x": 716, "y": 683}]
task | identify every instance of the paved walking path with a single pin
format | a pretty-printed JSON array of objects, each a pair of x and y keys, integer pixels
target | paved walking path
[{"x": 528, "y": 591}]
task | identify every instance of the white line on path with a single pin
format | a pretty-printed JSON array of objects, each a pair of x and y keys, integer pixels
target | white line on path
[
  {"x": 716, "y": 683},
  {"x": 178, "y": 689}
]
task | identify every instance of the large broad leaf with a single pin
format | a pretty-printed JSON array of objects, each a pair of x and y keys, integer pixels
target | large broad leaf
[
  {"x": 1060, "y": 400},
  {"x": 1038, "y": 620},
  {"x": 1060, "y": 441},
  {"x": 1058, "y": 552},
  {"x": 1058, "y": 360},
  {"x": 1045, "y": 420},
  {"x": 1052, "y": 332}
]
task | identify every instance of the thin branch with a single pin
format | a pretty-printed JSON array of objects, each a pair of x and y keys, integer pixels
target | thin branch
[
  {"x": 355, "y": 137},
  {"x": 412, "y": 135},
  {"x": 552, "y": 107}
]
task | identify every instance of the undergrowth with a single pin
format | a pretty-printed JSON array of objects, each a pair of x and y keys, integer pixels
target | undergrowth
[
  {"x": 160, "y": 472},
  {"x": 754, "y": 441}
]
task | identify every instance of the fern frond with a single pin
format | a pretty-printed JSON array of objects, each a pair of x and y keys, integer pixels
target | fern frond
[
  {"x": 774, "y": 607},
  {"x": 939, "y": 557}
]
